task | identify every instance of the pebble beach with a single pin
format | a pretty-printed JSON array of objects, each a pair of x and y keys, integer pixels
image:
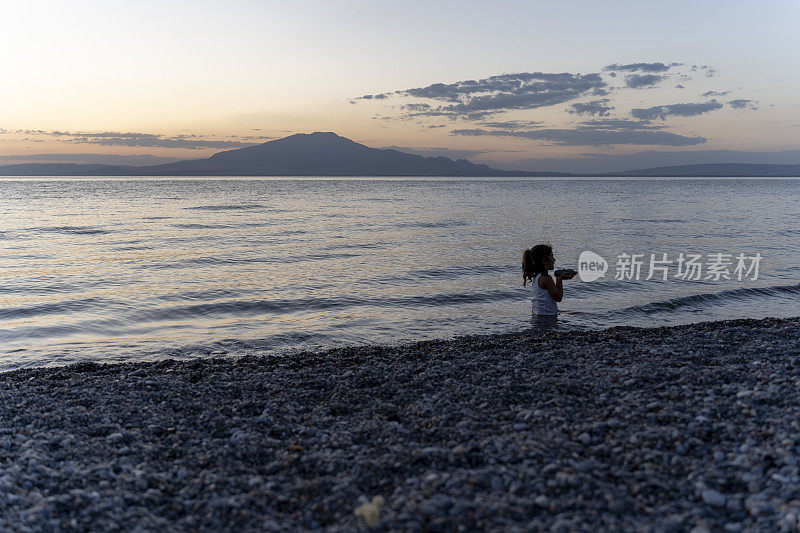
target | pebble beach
[{"x": 684, "y": 428}]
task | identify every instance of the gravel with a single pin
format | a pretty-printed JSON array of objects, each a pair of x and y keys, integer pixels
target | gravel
[{"x": 687, "y": 428}]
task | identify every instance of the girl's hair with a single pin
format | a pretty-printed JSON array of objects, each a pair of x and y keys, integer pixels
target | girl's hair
[{"x": 533, "y": 261}]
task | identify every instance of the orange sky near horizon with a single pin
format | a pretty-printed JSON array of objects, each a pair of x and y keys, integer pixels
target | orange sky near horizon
[{"x": 225, "y": 75}]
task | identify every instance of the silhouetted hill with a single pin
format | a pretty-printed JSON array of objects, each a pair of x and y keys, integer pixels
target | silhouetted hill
[
  {"x": 67, "y": 169},
  {"x": 328, "y": 154},
  {"x": 313, "y": 154},
  {"x": 323, "y": 154},
  {"x": 716, "y": 170}
]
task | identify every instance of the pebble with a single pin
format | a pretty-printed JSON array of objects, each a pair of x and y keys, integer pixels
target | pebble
[
  {"x": 625, "y": 429},
  {"x": 714, "y": 498},
  {"x": 542, "y": 501}
]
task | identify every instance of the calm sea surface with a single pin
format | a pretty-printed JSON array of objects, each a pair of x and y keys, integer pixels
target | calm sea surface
[{"x": 144, "y": 268}]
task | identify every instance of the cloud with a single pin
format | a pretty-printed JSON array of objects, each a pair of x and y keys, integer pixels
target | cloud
[
  {"x": 426, "y": 110},
  {"x": 679, "y": 110},
  {"x": 373, "y": 97},
  {"x": 715, "y": 93},
  {"x": 742, "y": 103},
  {"x": 478, "y": 105},
  {"x": 475, "y": 99},
  {"x": 255, "y": 138},
  {"x": 595, "y": 107},
  {"x": 152, "y": 140},
  {"x": 107, "y": 159},
  {"x": 423, "y": 109},
  {"x": 637, "y": 81},
  {"x": 643, "y": 67},
  {"x": 710, "y": 71},
  {"x": 619, "y": 124},
  {"x": 438, "y": 152},
  {"x": 512, "y": 124},
  {"x": 597, "y": 133},
  {"x": 417, "y": 108}
]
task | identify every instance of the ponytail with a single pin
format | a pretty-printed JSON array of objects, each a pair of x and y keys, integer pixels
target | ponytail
[
  {"x": 533, "y": 262},
  {"x": 527, "y": 267}
]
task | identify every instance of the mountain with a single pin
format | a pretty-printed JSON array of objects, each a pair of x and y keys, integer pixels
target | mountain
[
  {"x": 716, "y": 170},
  {"x": 67, "y": 169},
  {"x": 312, "y": 154},
  {"x": 328, "y": 154}
]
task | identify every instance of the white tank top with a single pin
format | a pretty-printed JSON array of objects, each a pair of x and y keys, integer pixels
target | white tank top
[{"x": 542, "y": 302}]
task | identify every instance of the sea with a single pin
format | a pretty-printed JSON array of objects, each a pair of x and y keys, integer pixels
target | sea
[{"x": 132, "y": 269}]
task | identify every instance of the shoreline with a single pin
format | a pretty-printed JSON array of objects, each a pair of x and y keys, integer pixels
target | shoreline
[
  {"x": 544, "y": 327},
  {"x": 664, "y": 429}
]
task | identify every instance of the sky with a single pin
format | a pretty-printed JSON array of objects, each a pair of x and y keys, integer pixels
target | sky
[{"x": 577, "y": 86}]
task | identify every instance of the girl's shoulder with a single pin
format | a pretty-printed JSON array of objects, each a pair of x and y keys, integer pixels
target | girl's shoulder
[{"x": 542, "y": 275}]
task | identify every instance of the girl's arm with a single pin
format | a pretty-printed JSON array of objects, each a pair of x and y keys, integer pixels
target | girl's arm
[{"x": 556, "y": 288}]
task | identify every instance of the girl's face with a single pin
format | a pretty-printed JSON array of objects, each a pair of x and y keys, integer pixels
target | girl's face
[{"x": 550, "y": 262}]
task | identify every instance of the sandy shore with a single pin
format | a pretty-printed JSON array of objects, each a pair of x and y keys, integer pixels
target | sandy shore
[{"x": 664, "y": 429}]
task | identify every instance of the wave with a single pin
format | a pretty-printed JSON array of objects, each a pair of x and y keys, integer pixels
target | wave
[
  {"x": 358, "y": 246},
  {"x": 710, "y": 299},
  {"x": 667, "y": 220},
  {"x": 198, "y": 295},
  {"x": 56, "y": 288},
  {"x": 280, "y": 260},
  {"x": 71, "y": 230},
  {"x": 148, "y": 320},
  {"x": 448, "y": 273},
  {"x": 213, "y": 260},
  {"x": 233, "y": 207},
  {"x": 54, "y": 308},
  {"x": 202, "y": 226},
  {"x": 451, "y": 272},
  {"x": 194, "y": 225},
  {"x": 293, "y": 305},
  {"x": 440, "y": 224}
]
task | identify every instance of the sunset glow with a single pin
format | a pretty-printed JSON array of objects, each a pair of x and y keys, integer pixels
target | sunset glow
[{"x": 92, "y": 81}]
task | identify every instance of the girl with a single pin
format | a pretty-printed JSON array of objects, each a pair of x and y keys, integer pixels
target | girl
[{"x": 545, "y": 292}]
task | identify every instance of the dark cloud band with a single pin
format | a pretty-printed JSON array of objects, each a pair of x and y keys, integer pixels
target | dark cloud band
[
  {"x": 742, "y": 103},
  {"x": 641, "y": 67},
  {"x": 678, "y": 110},
  {"x": 152, "y": 140},
  {"x": 595, "y": 107},
  {"x": 474, "y": 99},
  {"x": 638, "y": 81},
  {"x": 592, "y": 136}
]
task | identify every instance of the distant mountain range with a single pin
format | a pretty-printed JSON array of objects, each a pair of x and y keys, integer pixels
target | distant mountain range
[
  {"x": 312, "y": 154},
  {"x": 328, "y": 154},
  {"x": 717, "y": 170}
]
